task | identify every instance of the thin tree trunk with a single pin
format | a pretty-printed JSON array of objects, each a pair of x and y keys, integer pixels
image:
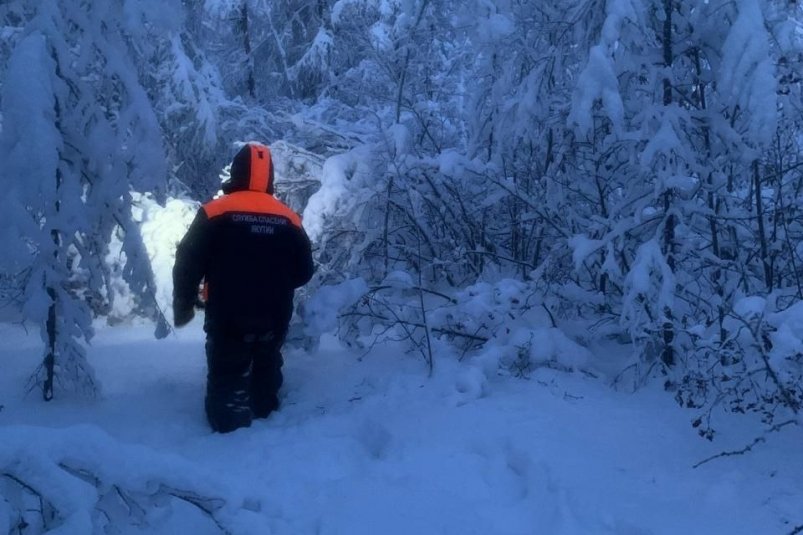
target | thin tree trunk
[
  {"x": 51, "y": 324},
  {"x": 668, "y": 353},
  {"x": 406, "y": 65},
  {"x": 400, "y": 89},
  {"x": 386, "y": 232},
  {"x": 52, "y": 331},
  {"x": 762, "y": 238},
  {"x": 713, "y": 206},
  {"x": 250, "y": 81}
]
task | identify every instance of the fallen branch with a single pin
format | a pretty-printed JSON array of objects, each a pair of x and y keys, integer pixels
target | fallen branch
[
  {"x": 749, "y": 447},
  {"x": 35, "y": 493},
  {"x": 438, "y": 330},
  {"x": 208, "y": 506}
]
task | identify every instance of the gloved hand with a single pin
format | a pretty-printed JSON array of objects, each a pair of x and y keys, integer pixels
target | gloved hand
[{"x": 182, "y": 316}]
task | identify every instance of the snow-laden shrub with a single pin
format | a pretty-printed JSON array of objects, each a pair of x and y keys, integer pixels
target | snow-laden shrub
[
  {"x": 754, "y": 364},
  {"x": 502, "y": 324},
  {"x": 519, "y": 328}
]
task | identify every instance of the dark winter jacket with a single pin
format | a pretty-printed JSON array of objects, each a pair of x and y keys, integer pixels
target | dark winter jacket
[{"x": 250, "y": 249}]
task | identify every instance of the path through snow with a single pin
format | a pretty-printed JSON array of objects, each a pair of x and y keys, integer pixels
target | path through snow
[{"x": 372, "y": 446}]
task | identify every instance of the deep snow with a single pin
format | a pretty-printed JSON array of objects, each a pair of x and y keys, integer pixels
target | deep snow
[{"x": 371, "y": 445}]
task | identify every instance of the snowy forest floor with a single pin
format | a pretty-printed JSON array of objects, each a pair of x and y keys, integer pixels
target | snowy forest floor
[{"x": 371, "y": 445}]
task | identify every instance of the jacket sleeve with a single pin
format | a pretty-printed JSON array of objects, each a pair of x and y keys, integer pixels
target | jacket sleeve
[
  {"x": 191, "y": 264},
  {"x": 304, "y": 266}
]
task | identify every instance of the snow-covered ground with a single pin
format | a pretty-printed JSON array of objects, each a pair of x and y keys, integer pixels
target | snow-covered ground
[{"x": 372, "y": 446}]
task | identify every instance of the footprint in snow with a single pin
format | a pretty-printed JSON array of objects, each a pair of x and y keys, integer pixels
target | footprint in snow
[{"x": 375, "y": 438}]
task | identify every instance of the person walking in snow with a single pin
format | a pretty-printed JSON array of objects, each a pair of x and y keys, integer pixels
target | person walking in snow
[{"x": 252, "y": 253}]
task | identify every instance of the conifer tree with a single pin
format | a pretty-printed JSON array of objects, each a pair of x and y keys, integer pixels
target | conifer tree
[{"x": 79, "y": 136}]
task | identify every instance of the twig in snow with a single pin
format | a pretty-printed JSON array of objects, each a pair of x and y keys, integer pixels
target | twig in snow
[
  {"x": 82, "y": 474},
  {"x": 208, "y": 506},
  {"x": 551, "y": 317},
  {"x": 23, "y": 524},
  {"x": 749, "y": 447}
]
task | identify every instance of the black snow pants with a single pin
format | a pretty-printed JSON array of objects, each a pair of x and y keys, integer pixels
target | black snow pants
[{"x": 243, "y": 379}]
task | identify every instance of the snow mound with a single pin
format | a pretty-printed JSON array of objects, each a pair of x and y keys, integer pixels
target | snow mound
[
  {"x": 87, "y": 482},
  {"x": 346, "y": 180}
]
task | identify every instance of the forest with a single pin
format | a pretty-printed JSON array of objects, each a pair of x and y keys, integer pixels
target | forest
[{"x": 501, "y": 186}]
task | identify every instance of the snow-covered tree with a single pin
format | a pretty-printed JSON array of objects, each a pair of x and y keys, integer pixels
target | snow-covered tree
[
  {"x": 78, "y": 135},
  {"x": 674, "y": 112},
  {"x": 269, "y": 50},
  {"x": 623, "y": 157}
]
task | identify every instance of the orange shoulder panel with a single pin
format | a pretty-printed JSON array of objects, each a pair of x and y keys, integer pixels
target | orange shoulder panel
[{"x": 251, "y": 202}]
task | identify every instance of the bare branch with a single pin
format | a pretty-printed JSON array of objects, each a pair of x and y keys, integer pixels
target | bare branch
[{"x": 749, "y": 447}]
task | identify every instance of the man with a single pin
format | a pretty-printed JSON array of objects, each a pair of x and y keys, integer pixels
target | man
[{"x": 252, "y": 253}]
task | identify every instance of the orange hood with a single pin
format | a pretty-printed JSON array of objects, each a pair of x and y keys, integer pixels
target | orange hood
[{"x": 251, "y": 170}]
